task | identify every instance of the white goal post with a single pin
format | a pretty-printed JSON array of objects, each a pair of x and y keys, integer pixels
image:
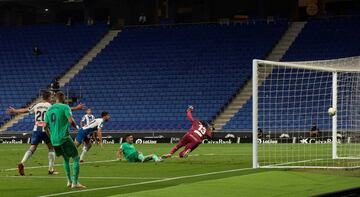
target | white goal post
[{"x": 292, "y": 127}]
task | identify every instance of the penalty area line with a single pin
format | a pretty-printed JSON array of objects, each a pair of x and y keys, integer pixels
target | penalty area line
[
  {"x": 148, "y": 182},
  {"x": 35, "y": 167},
  {"x": 86, "y": 177}
]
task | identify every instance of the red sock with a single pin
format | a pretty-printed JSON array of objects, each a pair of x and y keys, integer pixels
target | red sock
[{"x": 174, "y": 150}]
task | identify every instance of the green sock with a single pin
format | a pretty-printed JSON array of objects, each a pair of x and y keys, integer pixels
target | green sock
[
  {"x": 155, "y": 158},
  {"x": 67, "y": 168},
  {"x": 76, "y": 169}
]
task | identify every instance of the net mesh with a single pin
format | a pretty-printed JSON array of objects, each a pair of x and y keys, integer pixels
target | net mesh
[{"x": 292, "y": 113}]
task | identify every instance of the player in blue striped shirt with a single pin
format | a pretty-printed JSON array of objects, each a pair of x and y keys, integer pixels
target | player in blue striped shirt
[
  {"x": 87, "y": 118},
  {"x": 85, "y": 133}
]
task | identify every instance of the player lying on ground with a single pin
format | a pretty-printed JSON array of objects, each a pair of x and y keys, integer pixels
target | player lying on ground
[
  {"x": 85, "y": 133},
  {"x": 39, "y": 134},
  {"x": 193, "y": 138},
  {"x": 131, "y": 154},
  {"x": 57, "y": 126}
]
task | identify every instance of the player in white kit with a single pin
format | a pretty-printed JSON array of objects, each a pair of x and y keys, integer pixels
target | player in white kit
[
  {"x": 87, "y": 118},
  {"x": 85, "y": 133},
  {"x": 39, "y": 133}
]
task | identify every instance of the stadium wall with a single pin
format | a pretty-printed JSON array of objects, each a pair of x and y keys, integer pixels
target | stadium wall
[{"x": 174, "y": 137}]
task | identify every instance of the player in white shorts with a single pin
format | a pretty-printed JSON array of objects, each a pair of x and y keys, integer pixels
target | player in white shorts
[{"x": 39, "y": 133}]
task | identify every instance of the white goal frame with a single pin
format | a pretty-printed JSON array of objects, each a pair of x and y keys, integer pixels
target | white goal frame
[{"x": 330, "y": 66}]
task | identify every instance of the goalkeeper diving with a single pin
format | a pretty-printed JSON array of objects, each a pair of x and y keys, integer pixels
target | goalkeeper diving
[
  {"x": 128, "y": 150},
  {"x": 199, "y": 131}
]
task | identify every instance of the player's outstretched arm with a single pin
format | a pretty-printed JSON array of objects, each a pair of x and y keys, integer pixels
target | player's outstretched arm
[
  {"x": 81, "y": 106},
  {"x": 73, "y": 123},
  {"x": 189, "y": 113},
  {"x": 12, "y": 110}
]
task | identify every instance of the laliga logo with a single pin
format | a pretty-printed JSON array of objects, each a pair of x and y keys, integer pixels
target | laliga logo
[
  {"x": 268, "y": 141},
  {"x": 140, "y": 141}
]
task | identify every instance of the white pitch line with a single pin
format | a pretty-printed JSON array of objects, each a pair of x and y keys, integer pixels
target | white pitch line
[
  {"x": 85, "y": 177},
  {"x": 17, "y": 149},
  {"x": 292, "y": 162},
  {"x": 147, "y": 182},
  {"x": 106, "y": 161},
  {"x": 35, "y": 167}
]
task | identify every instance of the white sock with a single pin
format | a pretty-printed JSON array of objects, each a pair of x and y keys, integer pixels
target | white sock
[
  {"x": 83, "y": 153},
  {"x": 27, "y": 155},
  {"x": 51, "y": 156}
]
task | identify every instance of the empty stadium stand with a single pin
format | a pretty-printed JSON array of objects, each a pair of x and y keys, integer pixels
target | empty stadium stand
[
  {"x": 23, "y": 74},
  {"x": 148, "y": 76},
  {"x": 328, "y": 38}
]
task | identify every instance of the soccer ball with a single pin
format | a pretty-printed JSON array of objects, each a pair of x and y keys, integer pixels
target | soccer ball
[{"x": 331, "y": 111}]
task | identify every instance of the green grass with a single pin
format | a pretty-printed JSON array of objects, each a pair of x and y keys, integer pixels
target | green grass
[
  {"x": 173, "y": 177},
  {"x": 275, "y": 183},
  {"x": 308, "y": 155}
]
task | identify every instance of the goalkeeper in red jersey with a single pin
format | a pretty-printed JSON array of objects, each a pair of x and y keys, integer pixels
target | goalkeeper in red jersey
[{"x": 199, "y": 130}]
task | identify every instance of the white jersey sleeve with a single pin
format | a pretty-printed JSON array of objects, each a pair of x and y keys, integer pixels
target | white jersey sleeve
[{"x": 94, "y": 125}]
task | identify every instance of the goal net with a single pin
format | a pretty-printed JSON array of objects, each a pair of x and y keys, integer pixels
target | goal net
[{"x": 292, "y": 127}]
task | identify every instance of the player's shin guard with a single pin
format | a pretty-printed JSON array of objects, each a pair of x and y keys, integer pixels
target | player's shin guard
[
  {"x": 51, "y": 156},
  {"x": 27, "y": 155},
  {"x": 67, "y": 168},
  {"x": 76, "y": 169}
]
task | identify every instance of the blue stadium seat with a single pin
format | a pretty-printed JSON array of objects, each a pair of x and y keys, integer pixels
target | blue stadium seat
[
  {"x": 147, "y": 76},
  {"x": 320, "y": 39},
  {"x": 22, "y": 74}
]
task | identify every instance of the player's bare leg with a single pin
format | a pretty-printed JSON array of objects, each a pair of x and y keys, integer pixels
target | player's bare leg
[
  {"x": 51, "y": 157},
  {"x": 86, "y": 148},
  {"x": 27, "y": 155}
]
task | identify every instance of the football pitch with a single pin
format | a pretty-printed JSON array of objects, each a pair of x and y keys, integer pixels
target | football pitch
[{"x": 211, "y": 170}]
